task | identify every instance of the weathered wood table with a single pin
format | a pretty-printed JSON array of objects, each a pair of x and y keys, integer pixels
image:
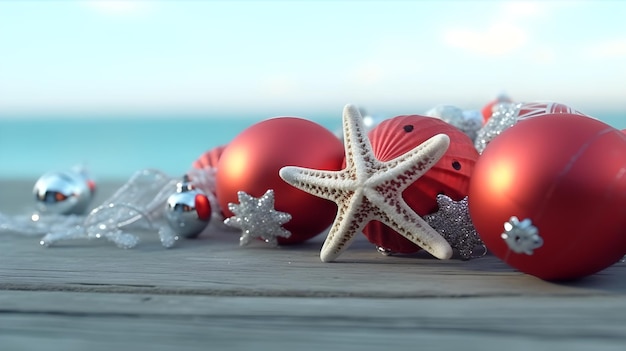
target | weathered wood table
[{"x": 211, "y": 294}]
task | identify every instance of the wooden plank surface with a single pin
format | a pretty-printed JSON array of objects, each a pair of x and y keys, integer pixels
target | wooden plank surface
[{"x": 211, "y": 292}]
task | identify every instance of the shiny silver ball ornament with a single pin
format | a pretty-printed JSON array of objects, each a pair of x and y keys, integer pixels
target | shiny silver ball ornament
[
  {"x": 63, "y": 192},
  {"x": 188, "y": 210}
]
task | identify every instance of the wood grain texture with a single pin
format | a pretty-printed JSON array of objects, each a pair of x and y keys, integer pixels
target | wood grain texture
[
  {"x": 131, "y": 321},
  {"x": 212, "y": 294}
]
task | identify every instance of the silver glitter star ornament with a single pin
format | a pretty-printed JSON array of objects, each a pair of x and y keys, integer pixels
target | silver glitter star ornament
[
  {"x": 370, "y": 189},
  {"x": 453, "y": 222},
  {"x": 257, "y": 218}
]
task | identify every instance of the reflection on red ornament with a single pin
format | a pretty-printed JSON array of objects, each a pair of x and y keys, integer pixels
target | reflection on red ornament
[
  {"x": 251, "y": 162},
  {"x": 203, "y": 207},
  {"x": 565, "y": 173},
  {"x": 450, "y": 176}
]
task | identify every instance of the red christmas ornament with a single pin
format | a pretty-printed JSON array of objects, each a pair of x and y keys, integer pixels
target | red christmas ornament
[
  {"x": 487, "y": 110},
  {"x": 251, "y": 162},
  {"x": 565, "y": 174},
  {"x": 537, "y": 109},
  {"x": 450, "y": 176},
  {"x": 210, "y": 158}
]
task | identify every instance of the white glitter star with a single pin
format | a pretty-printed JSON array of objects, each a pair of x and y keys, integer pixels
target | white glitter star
[
  {"x": 257, "y": 218},
  {"x": 370, "y": 189}
]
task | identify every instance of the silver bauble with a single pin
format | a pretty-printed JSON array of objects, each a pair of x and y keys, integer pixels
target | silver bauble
[
  {"x": 187, "y": 210},
  {"x": 63, "y": 193}
]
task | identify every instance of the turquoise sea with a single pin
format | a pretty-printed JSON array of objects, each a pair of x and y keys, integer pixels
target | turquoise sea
[{"x": 115, "y": 147}]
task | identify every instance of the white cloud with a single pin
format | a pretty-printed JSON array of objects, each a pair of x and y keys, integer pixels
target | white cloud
[
  {"x": 522, "y": 9},
  {"x": 378, "y": 70},
  {"x": 118, "y": 7},
  {"x": 504, "y": 33},
  {"x": 279, "y": 85},
  {"x": 543, "y": 55},
  {"x": 369, "y": 72},
  {"x": 501, "y": 38},
  {"x": 389, "y": 59},
  {"x": 606, "y": 49}
]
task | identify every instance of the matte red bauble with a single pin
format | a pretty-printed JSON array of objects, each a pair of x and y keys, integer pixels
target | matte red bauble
[
  {"x": 251, "y": 162},
  {"x": 563, "y": 177},
  {"x": 210, "y": 158},
  {"x": 450, "y": 176}
]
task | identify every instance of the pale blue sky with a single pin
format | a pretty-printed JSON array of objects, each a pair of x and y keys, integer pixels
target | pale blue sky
[{"x": 293, "y": 56}]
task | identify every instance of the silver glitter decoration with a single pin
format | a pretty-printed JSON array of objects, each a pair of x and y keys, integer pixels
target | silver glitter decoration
[
  {"x": 257, "y": 218},
  {"x": 504, "y": 116},
  {"x": 469, "y": 122},
  {"x": 453, "y": 222},
  {"x": 521, "y": 237}
]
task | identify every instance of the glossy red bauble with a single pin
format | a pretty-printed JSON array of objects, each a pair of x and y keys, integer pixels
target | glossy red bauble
[
  {"x": 251, "y": 162},
  {"x": 450, "y": 176},
  {"x": 566, "y": 173}
]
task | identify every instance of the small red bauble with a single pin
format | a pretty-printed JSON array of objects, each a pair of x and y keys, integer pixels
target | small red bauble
[
  {"x": 450, "y": 176},
  {"x": 251, "y": 162},
  {"x": 566, "y": 174}
]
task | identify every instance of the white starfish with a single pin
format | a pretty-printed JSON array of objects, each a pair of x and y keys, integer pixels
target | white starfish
[{"x": 370, "y": 189}]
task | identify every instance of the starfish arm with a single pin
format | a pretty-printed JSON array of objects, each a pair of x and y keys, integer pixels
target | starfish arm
[
  {"x": 325, "y": 184},
  {"x": 359, "y": 154},
  {"x": 401, "y": 218},
  {"x": 350, "y": 220},
  {"x": 415, "y": 163}
]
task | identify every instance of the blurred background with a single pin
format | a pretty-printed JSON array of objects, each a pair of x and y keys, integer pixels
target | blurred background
[{"x": 120, "y": 86}]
